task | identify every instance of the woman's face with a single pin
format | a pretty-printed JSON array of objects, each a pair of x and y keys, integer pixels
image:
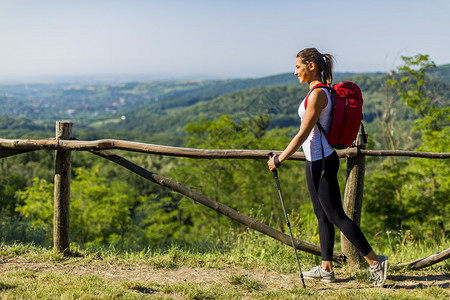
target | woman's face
[{"x": 302, "y": 71}]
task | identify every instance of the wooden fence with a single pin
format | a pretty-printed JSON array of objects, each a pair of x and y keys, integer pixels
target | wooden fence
[{"x": 64, "y": 144}]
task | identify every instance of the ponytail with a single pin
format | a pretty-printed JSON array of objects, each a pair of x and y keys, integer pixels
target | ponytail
[
  {"x": 327, "y": 73},
  {"x": 324, "y": 63}
]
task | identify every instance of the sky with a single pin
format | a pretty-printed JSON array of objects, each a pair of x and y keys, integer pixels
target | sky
[{"x": 200, "y": 39}]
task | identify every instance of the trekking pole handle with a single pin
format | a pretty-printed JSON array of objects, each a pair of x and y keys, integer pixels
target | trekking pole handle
[{"x": 270, "y": 154}]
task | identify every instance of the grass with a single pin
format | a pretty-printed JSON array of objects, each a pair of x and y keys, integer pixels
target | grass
[
  {"x": 33, "y": 285},
  {"x": 246, "y": 282},
  {"x": 237, "y": 271}
]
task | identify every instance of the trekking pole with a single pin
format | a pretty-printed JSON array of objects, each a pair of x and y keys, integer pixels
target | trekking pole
[{"x": 275, "y": 173}]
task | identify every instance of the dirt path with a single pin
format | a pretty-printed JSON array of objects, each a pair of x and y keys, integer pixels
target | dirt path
[{"x": 270, "y": 279}]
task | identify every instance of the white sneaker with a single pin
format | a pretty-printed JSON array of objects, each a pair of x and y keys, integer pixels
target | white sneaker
[
  {"x": 319, "y": 273},
  {"x": 379, "y": 272}
]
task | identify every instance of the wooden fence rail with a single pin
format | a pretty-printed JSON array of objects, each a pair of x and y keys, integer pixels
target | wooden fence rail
[
  {"x": 63, "y": 144},
  {"x": 10, "y": 147}
]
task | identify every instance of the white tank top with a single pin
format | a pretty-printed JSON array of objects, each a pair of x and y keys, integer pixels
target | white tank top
[{"x": 311, "y": 146}]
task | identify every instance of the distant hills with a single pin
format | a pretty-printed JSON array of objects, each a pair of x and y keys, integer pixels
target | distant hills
[
  {"x": 163, "y": 108},
  {"x": 241, "y": 100},
  {"x": 441, "y": 73},
  {"x": 42, "y": 102}
]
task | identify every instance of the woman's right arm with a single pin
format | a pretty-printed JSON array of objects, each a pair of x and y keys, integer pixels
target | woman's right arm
[{"x": 317, "y": 101}]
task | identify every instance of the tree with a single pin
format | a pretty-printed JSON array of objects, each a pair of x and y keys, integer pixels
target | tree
[
  {"x": 9, "y": 185},
  {"x": 417, "y": 91},
  {"x": 37, "y": 202},
  {"x": 101, "y": 209},
  {"x": 244, "y": 185},
  {"x": 413, "y": 194}
]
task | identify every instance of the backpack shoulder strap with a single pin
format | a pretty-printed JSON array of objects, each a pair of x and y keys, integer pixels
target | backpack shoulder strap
[{"x": 320, "y": 85}]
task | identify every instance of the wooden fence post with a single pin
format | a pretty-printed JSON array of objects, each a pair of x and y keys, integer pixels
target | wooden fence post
[
  {"x": 353, "y": 201},
  {"x": 61, "y": 209}
]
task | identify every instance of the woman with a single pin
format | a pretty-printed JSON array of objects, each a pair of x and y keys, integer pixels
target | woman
[{"x": 314, "y": 68}]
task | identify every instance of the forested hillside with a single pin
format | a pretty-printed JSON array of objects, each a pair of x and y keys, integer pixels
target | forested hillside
[
  {"x": 280, "y": 103},
  {"x": 113, "y": 207},
  {"x": 161, "y": 110},
  {"x": 442, "y": 73}
]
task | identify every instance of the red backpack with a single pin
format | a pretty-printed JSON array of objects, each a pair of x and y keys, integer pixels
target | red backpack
[{"x": 346, "y": 114}]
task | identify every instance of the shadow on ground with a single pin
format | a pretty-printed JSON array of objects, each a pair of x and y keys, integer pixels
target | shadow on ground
[{"x": 418, "y": 281}]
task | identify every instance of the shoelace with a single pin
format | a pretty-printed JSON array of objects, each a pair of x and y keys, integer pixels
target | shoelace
[
  {"x": 315, "y": 271},
  {"x": 375, "y": 276}
]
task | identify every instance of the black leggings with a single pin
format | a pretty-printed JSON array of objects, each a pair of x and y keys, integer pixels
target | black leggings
[{"x": 326, "y": 199}]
